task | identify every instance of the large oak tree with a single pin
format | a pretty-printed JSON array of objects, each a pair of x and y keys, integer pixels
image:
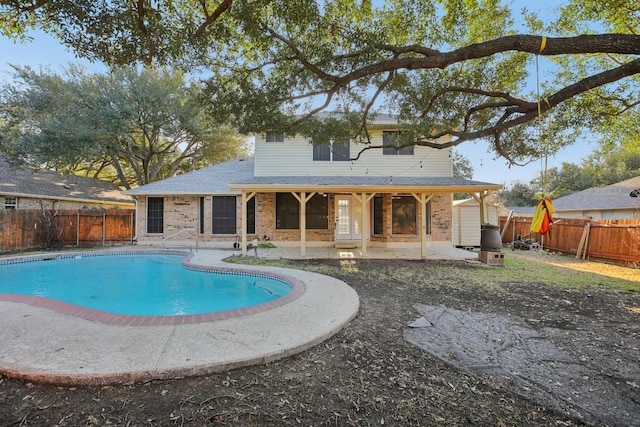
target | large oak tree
[
  {"x": 446, "y": 67},
  {"x": 129, "y": 126}
]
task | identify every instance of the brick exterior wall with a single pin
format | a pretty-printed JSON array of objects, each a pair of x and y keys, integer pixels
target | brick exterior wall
[
  {"x": 180, "y": 212},
  {"x": 440, "y": 221},
  {"x": 183, "y": 212},
  {"x": 441, "y": 218}
]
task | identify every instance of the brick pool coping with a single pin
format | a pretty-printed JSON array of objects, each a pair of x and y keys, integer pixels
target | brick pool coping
[{"x": 297, "y": 290}]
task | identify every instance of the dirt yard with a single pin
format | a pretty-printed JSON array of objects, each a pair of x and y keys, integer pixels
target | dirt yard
[{"x": 369, "y": 375}]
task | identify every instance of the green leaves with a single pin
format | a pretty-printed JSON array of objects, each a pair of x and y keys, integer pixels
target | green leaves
[
  {"x": 452, "y": 67},
  {"x": 599, "y": 169},
  {"x": 131, "y": 126}
]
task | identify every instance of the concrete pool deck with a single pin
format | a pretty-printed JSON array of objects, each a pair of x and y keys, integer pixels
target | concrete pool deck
[{"x": 44, "y": 345}]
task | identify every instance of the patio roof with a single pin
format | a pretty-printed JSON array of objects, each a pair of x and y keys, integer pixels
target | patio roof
[{"x": 378, "y": 184}]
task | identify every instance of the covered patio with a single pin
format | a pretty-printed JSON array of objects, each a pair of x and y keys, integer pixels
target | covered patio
[{"x": 363, "y": 190}]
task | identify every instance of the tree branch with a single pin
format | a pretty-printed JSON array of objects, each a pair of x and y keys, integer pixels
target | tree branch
[
  {"x": 583, "y": 44},
  {"x": 524, "y": 115},
  {"x": 210, "y": 19},
  {"x": 140, "y": 12},
  {"x": 34, "y": 6},
  {"x": 299, "y": 56}
]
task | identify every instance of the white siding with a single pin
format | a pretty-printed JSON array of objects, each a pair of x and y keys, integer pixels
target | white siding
[
  {"x": 469, "y": 231},
  {"x": 466, "y": 229},
  {"x": 294, "y": 157}
]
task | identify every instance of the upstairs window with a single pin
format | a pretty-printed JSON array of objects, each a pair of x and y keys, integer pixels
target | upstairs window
[
  {"x": 321, "y": 152},
  {"x": 274, "y": 137},
  {"x": 11, "y": 203},
  {"x": 337, "y": 151},
  {"x": 392, "y": 139},
  {"x": 341, "y": 151}
]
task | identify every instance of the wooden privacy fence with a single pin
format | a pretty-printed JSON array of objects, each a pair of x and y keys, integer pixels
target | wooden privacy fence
[
  {"x": 612, "y": 240},
  {"x": 27, "y": 229}
]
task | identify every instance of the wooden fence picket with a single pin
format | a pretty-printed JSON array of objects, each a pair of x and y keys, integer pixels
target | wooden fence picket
[
  {"x": 609, "y": 240},
  {"x": 24, "y": 228}
]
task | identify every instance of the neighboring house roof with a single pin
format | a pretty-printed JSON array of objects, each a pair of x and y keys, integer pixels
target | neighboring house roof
[
  {"x": 21, "y": 181},
  {"x": 210, "y": 180},
  {"x": 517, "y": 210},
  {"x": 609, "y": 197}
]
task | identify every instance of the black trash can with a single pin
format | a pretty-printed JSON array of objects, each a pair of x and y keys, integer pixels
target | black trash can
[{"x": 490, "y": 238}]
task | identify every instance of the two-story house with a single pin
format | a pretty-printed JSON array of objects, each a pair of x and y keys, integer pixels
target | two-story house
[{"x": 295, "y": 193}]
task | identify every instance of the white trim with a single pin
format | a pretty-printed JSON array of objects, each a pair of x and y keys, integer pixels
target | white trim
[{"x": 11, "y": 202}]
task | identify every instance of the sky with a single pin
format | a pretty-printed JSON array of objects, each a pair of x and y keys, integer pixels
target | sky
[{"x": 47, "y": 52}]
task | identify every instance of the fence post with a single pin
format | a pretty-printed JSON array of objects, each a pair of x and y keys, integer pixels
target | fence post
[
  {"x": 586, "y": 242},
  {"x": 104, "y": 227},
  {"x": 78, "y": 229}
]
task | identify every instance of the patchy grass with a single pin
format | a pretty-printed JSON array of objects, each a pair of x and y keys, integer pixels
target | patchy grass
[
  {"x": 568, "y": 272},
  {"x": 517, "y": 269}
]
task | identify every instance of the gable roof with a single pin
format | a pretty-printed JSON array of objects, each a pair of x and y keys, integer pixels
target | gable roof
[
  {"x": 518, "y": 210},
  {"x": 210, "y": 180},
  {"x": 614, "y": 196},
  {"x": 21, "y": 181},
  {"x": 232, "y": 176}
]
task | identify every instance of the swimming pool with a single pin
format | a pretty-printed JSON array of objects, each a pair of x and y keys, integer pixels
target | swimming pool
[{"x": 139, "y": 285}]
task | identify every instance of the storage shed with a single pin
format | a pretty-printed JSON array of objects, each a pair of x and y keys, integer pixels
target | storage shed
[{"x": 465, "y": 216}]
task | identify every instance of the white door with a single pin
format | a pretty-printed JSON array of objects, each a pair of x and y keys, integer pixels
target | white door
[{"x": 348, "y": 218}]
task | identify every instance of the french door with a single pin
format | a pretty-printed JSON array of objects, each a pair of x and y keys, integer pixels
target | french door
[{"x": 348, "y": 218}]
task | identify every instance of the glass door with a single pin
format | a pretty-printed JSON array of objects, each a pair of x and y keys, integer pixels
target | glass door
[{"x": 348, "y": 218}]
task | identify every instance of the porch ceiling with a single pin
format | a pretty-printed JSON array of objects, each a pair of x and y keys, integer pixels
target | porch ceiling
[{"x": 350, "y": 184}]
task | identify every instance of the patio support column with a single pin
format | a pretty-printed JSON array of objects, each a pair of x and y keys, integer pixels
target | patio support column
[
  {"x": 481, "y": 198},
  {"x": 423, "y": 199},
  {"x": 364, "y": 199},
  {"x": 303, "y": 199},
  {"x": 484, "y": 207},
  {"x": 243, "y": 219}
]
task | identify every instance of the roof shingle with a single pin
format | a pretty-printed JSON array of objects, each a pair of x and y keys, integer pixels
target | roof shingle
[
  {"x": 210, "y": 180},
  {"x": 607, "y": 197}
]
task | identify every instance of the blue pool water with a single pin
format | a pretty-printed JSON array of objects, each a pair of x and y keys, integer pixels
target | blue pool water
[{"x": 156, "y": 285}]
